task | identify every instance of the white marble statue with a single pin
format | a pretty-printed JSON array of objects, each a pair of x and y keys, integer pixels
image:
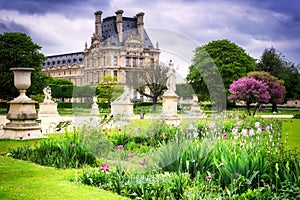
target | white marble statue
[
  {"x": 125, "y": 97},
  {"x": 171, "y": 82},
  {"x": 47, "y": 92}
]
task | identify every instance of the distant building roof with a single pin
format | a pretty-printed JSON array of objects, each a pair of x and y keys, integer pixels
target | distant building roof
[
  {"x": 110, "y": 34},
  {"x": 64, "y": 59}
]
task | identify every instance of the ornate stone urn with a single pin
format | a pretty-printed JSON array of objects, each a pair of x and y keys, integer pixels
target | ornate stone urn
[
  {"x": 22, "y": 114},
  {"x": 22, "y": 80}
]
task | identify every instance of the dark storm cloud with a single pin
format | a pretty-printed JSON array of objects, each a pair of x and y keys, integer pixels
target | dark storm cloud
[
  {"x": 287, "y": 16},
  {"x": 70, "y": 8},
  {"x": 11, "y": 26}
]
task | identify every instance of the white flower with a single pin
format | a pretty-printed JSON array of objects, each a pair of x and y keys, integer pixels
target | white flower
[
  {"x": 259, "y": 130},
  {"x": 195, "y": 134},
  {"x": 251, "y": 132},
  {"x": 244, "y": 132},
  {"x": 257, "y": 125},
  {"x": 234, "y": 131}
]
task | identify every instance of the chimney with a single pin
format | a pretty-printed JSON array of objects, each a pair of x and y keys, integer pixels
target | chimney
[
  {"x": 98, "y": 30},
  {"x": 119, "y": 24},
  {"x": 140, "y": 24}
]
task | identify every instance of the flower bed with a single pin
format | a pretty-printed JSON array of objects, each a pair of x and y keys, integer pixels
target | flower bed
[
  {"x": 222, "y": 158},
  {"x": 235, "y": 158}
]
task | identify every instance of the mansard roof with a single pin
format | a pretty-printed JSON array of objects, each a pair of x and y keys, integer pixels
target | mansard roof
[
  {"x": 64, "y": 59},
  {"x": 110, "y": 34}
]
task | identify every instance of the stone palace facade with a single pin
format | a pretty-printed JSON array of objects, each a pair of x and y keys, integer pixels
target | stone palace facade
[{"x": 119, "y": 44}]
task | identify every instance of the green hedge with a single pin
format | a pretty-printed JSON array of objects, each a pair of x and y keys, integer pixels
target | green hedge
[
  {"x": 138, "y": 104},
  {"x": 80, "y": 105},
  {"x": 3, "y": 105}
]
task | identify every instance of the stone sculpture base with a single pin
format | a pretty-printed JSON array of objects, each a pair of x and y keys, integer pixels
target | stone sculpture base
[
  {"x": 95, "y": 109},
  {"x": 22, "y": 120},
  {"x": 48, "y": 109},
  {"x": 195, "y": 111},
  {"x": 170, "y": 109},
  {"x": 122, "y": 109}
]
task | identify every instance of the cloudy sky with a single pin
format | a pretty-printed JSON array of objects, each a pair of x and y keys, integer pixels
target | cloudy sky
[{"x": 179, "y": 25}]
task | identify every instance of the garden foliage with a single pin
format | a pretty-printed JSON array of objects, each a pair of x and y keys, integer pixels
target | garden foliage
[{"x": 234, "y": 159}]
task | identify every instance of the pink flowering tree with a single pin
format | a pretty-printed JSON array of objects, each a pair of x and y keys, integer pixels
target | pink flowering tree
[
  {"x": 275, "y": 87},
  {"x": 249, "y": 90}
]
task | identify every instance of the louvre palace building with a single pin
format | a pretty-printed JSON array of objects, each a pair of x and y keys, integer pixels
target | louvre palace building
[{"x": 119, "y": 44}]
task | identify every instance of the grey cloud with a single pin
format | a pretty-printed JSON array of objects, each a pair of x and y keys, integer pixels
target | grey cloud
[
  {"x": 69, "y": 8},
  {"x": 11, "y": 26}
]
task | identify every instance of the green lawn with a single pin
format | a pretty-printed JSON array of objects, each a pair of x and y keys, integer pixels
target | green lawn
[
  {"x": 23, "y": 180},
  {"x": 292, "y": 128}
]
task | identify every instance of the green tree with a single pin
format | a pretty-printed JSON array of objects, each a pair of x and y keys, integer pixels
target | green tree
[
  {"x": 106, "y": 88},
  {"x": 18, "y": 50},
  {"x": 61, "y": 88},
  {"x": 277, "y": 65},
  {"x": 220, "y": 57},
  {"x": 84, "y": 91},
  {"x": 184, "y": 90}
]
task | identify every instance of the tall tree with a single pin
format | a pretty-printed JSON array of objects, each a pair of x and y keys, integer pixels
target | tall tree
[
  {"x": 149, "y": 81},
  {"x": 249, "y": 90},
  {"x": 18, "y": 50},
  {"x": 106, "y": 88},
  {"x": 61, "y": 88},
  {"x": 215, "y": 65},
  {"x": 275, "y": 63},
  {"x": 276, "y": 87}
]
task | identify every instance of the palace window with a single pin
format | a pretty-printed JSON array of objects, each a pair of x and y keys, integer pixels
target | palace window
[
  {"x": 115, "y": 73},
  {"x": 115, "y": 60},
  {"x": 134, "y": 62},
  {"x": 141, "y": 61},
  {"x": 127, "y": 61}
]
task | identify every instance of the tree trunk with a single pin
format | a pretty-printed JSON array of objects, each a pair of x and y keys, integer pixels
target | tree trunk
[
  {"x": 248, "y": 108},
  {"x": 274, "y": 107},
  {"x": 255, "y": 108},
  {"x": 154, "y": 104}
]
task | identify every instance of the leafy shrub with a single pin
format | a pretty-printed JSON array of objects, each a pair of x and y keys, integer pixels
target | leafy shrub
[{"x": 69, "y": 152}]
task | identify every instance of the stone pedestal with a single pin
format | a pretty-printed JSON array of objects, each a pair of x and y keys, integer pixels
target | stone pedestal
[
  {"x": 195, "y": 109},
  {"x": 22, "y": 114},
  {"x": 22, "y": 120},
  {"x": 119, "y": 108},
  {"x": 48, "y": 109},
  {"x": 95, "y": 108},
  {"x": 170, "y": 108}
]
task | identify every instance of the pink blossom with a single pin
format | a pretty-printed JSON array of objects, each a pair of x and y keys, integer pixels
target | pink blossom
[
  {"x": 164, "y": 135},
  {"x": 151, "y": 134},
  {"x": 208, "y": 178},
  {"x": 120, "y": 147},
  {"x": 130, "y": 155},
  {"x": 143, "y": 162},
  {"x": 105, "y": 167},
  {"x": 119, "y": 129}
]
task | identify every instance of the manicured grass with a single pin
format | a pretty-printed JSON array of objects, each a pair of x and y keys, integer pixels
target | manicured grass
[
  {"x": 292, "y": 127},
  {"x": 24, "y": 180}
]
